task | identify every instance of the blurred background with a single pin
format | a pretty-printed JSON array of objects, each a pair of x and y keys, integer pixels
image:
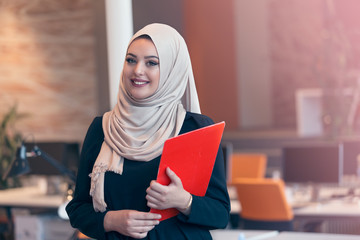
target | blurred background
[
  {"x": 283, "y": 74},
  {"x": 249, "y": 59}
]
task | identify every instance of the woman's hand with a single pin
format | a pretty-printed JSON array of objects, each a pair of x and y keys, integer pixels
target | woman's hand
[
  {"x": 171, "y": 196},
  {"x": 131, "y": 223}
]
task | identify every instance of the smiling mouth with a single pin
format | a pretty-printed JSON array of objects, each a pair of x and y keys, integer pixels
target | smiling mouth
[{"x": 139, "y": 83}]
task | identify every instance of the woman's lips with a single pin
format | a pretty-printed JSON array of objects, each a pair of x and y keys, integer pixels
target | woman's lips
[{"x": 139, "y": 82}]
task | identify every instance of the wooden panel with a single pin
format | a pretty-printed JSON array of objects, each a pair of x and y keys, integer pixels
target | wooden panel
[
  {"x": 209, "y": 32},
  {"x": 47, "y": 66}
]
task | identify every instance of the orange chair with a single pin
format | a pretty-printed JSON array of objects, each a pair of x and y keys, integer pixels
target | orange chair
[
  {"x": 79, "y": 236},
  {"x": 263, "y": 204},
  {"x": 247, "y": 165},
  {"x": 82, "y": 236}
]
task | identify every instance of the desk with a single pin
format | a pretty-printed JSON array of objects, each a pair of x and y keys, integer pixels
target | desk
[
  {"x": 332, "y": 209},
  {"x": 335, "y": 216},
  {"x": 29, "y": 197},
  {"x": 312, "y": 236},
  {"x": 275, "y": 235},
  {"x": 339, "y": 215},
  {"x": 242, "y": 234}
]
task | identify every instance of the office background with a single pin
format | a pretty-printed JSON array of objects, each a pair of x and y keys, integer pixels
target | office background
[{"x": 249, "y": 58}]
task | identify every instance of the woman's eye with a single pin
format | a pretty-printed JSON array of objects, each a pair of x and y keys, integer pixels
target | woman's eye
[
  {"x": 130, "y": 60},
  {"x": 153, "y": 63}
]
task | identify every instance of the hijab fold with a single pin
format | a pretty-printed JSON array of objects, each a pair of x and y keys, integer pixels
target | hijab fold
[{"x": 137, "y": 129}]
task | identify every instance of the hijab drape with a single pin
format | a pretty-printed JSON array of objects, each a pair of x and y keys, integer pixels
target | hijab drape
[{"x": 137, "y": 129}]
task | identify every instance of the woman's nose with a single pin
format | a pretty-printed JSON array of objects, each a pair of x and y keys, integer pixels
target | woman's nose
[{"x": 139, "y": 69}]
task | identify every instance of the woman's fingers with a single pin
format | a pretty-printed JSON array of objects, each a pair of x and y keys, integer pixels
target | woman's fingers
[
  {"x": 154, "y": 201},
  {"x": 173, "y": 177},
  {"x": 141, "y": 216},
  {"x": 142, "y": 223},
  {"x": 130, "y": 222},
  {"x": 139, "y": 235},
  {"x": 162, "y": 197},
  {"x": 156, "y": 187}
]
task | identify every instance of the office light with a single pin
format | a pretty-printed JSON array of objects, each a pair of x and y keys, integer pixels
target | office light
[{"x": 20, "y": 164}]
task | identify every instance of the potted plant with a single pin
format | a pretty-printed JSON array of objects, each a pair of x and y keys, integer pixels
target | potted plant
[{"x": 10, "y": 139}]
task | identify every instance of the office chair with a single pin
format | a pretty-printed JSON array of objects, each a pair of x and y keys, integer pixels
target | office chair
[
  {"x": 247, "y": 165},
  {"x": 244, "y": 165},
  {"x": 263, "y": 204},
  {"x": 79, "y": 236}
]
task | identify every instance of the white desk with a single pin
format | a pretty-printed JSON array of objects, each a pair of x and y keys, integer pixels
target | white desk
[
  {"x": 313, "y": 236},
  {"x": 336, "y": 216},
  {"x": 242, "y": 234},
  {"x": 29, "y": 197},
  {"x": 331, "y": 209},
  {"x": 275, "y": 235}
]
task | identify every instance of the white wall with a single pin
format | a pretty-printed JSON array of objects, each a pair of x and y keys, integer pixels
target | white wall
[
  {"x": 253, "y": 64},
  {"x": 119, "y": 25}
]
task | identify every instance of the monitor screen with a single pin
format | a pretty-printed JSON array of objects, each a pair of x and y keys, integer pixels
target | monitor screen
[
  {"x": 68, "y": 154},
  {"x": 351, "y": 156},
  {"x": 227, "y": 150},
  {"x": 316, "y": 163}
]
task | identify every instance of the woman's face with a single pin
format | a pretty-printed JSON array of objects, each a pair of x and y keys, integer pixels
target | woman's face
[{"x": 141, "y": 69}]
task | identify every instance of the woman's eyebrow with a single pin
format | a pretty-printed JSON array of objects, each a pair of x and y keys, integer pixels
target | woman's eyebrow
[
  {"x": 133, "y": 55},
  {"x": 146, "y": 57},
  {"x": 151, "y": 56}
]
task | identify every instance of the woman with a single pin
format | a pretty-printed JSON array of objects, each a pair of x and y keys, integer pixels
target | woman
[{"x": 121, "y": 152}]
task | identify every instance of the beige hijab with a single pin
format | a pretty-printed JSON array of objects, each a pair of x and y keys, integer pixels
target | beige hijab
[{"x": 137, "y": 129}]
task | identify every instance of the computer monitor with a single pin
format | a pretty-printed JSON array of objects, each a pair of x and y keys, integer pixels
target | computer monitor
[
  {"x": 68, "y": 154},
  {"x": 313, "y": 163},
  {"x": 227, "y": 149}
]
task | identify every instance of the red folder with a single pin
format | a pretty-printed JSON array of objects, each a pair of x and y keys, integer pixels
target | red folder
[{"x": 191, "y": 156}]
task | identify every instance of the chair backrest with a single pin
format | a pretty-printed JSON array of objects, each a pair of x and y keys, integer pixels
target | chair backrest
[
  {"x": 263, "y": 199},
  {"x": 247, "y": 165}
]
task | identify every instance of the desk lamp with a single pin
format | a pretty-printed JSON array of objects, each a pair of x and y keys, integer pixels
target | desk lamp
[{"x": 20, "y": 164}]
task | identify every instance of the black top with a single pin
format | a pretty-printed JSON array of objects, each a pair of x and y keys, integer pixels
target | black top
[{"x": 127, "y": 191}]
